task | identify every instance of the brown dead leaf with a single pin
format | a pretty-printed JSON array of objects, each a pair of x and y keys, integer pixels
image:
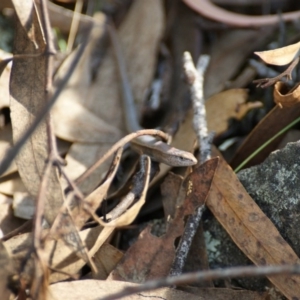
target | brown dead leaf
[
  {"x": 155, "y": 254},
  {"x": 285, "y": 97},
  {"x": 225, "y": 105},
  {"x": 25, "y": 11},
  {"x": 250, "y": 229},
  {"x": 280, "y": 56},
  {"x": 28, "y": 96},
  {"x": 263, "y": 131}
]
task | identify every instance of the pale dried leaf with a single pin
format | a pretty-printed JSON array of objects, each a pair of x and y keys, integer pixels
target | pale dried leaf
[
  {"x": 63, "y": 257},
  {"x": 280, "y": 56},
  {"x": 142, "y": 29},
  {"x": 28, "y": 96},
  {"x": 91, "y": 289},
  {"x": 74, "y": 123}
]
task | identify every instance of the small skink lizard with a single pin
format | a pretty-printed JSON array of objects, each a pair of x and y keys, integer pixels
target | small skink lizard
[{"x": 157, "y": 150}]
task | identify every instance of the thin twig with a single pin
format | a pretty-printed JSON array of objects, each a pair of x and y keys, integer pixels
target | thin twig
[
  {"x": 189, "y": 278},
  {"x": 21, "y": 229},
  {"x": 195, "y": 80}
]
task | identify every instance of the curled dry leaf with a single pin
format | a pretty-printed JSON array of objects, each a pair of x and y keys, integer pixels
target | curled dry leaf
[
  {"x": 285, "y": 97},
  {"x": 250, "y": 228},
  {"x": 28, "y": 96},
  {"x": 280, "y": 56},
  {"x": 124, "y": 216}
]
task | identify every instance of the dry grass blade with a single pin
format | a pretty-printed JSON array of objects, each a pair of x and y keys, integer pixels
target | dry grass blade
[
  {"x": 28, "y": 97},
  {"x": 250, "y": 229}
]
